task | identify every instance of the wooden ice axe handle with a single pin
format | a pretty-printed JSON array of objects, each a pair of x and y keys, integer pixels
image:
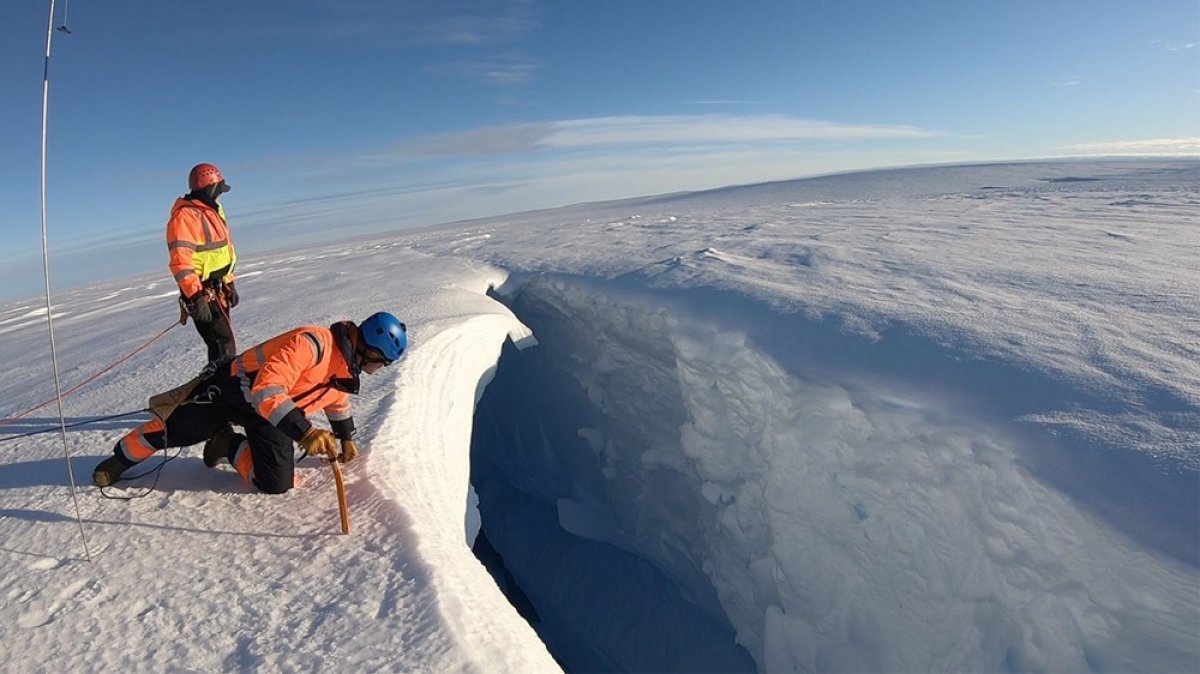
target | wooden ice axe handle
[{"x": 343, "y": 509}]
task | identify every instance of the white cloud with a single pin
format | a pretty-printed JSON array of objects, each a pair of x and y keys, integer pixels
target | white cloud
[
  {"x": 722, "y": 101},
  {"x": 716, "y": 128},
  {"x": 487, "y": 170},
  {"x": 667, "y": 130},
  {"x": 1068, "y": 82},
  {"x": 476, "y": 39},
  {"x": 491, "y": 140},
  {"x": 1171, "y": 146},
  {"x": 426, "y": 22},
  {"x": 478, "y": 29},
  {"x": 497, "y": 70}
]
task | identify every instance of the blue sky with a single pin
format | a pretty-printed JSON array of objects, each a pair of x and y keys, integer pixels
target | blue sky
[{"x": 333, "y": 118}]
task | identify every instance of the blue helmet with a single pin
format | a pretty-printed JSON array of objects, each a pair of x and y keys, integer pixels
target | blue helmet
[{"x": 385, "y": 333}]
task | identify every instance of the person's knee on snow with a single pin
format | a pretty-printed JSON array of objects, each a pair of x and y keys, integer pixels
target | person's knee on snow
[
  {"x": 269, "y": 479},
  {"x": 272, "y": 487}
]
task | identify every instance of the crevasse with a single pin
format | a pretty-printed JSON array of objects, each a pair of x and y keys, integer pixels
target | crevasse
[{"x": 676, "y": 487}]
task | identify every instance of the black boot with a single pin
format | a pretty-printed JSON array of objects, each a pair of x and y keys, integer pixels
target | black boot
[
  {"x": 221, "y": 446},
  {"x": 109, "y": 470}
]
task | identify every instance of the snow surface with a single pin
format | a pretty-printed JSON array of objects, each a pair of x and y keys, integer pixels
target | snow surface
[{"x": 931, "y": 419}]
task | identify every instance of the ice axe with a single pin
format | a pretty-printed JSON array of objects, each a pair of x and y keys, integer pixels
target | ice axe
[{"x": 343, "y": 509}]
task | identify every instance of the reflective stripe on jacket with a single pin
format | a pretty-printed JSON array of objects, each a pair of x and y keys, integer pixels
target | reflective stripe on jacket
[
  {"x": 300, "y": 372},
  {"x": 198, "y": 245}
]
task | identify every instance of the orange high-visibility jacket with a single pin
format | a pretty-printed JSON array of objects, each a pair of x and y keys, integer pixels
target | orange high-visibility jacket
[
  {"x": 199, "y": 245},
  {"x": 300, "y": 372}
]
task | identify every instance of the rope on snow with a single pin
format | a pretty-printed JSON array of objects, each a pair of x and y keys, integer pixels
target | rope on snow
[{"x": 89, "y": 380}]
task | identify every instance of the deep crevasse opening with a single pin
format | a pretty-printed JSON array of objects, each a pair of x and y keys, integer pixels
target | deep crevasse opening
[{"x": 660, "y": 486}]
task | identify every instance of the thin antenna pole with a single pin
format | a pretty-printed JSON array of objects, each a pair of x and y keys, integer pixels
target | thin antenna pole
[{"x": 62, "y": 420}]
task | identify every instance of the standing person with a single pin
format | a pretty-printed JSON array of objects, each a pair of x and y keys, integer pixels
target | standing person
[
  {"x": 269, "y": 390},
  {"x": 201, "y": 259}
]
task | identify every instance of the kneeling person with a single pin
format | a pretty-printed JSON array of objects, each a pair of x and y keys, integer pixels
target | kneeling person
[{"x": 270, "y": 390}]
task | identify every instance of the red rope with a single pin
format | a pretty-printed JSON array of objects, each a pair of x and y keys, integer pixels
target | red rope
[{"x": 89, "y": 379}]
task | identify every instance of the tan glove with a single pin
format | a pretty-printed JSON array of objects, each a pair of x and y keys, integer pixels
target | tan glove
[
  {"x": 320, "y": 442},
  {"x": 349, "y": 451}
]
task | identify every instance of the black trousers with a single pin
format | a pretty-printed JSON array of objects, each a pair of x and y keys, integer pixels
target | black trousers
[
  {"x": 215, "y": 403},
  {"x": 217, "y": 335}
]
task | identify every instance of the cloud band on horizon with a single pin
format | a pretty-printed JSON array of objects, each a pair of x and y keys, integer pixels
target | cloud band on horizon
[
  {"x": 1182, "y": 146},
  {"x": 647, "y": 130}
]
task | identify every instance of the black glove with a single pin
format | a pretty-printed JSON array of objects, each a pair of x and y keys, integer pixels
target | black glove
[
  {"x": 231, "y": 295},
  {"x": 198, "y": 307}
]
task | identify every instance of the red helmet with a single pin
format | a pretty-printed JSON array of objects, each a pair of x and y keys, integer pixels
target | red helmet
[{"x": 203, "y": 175}]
